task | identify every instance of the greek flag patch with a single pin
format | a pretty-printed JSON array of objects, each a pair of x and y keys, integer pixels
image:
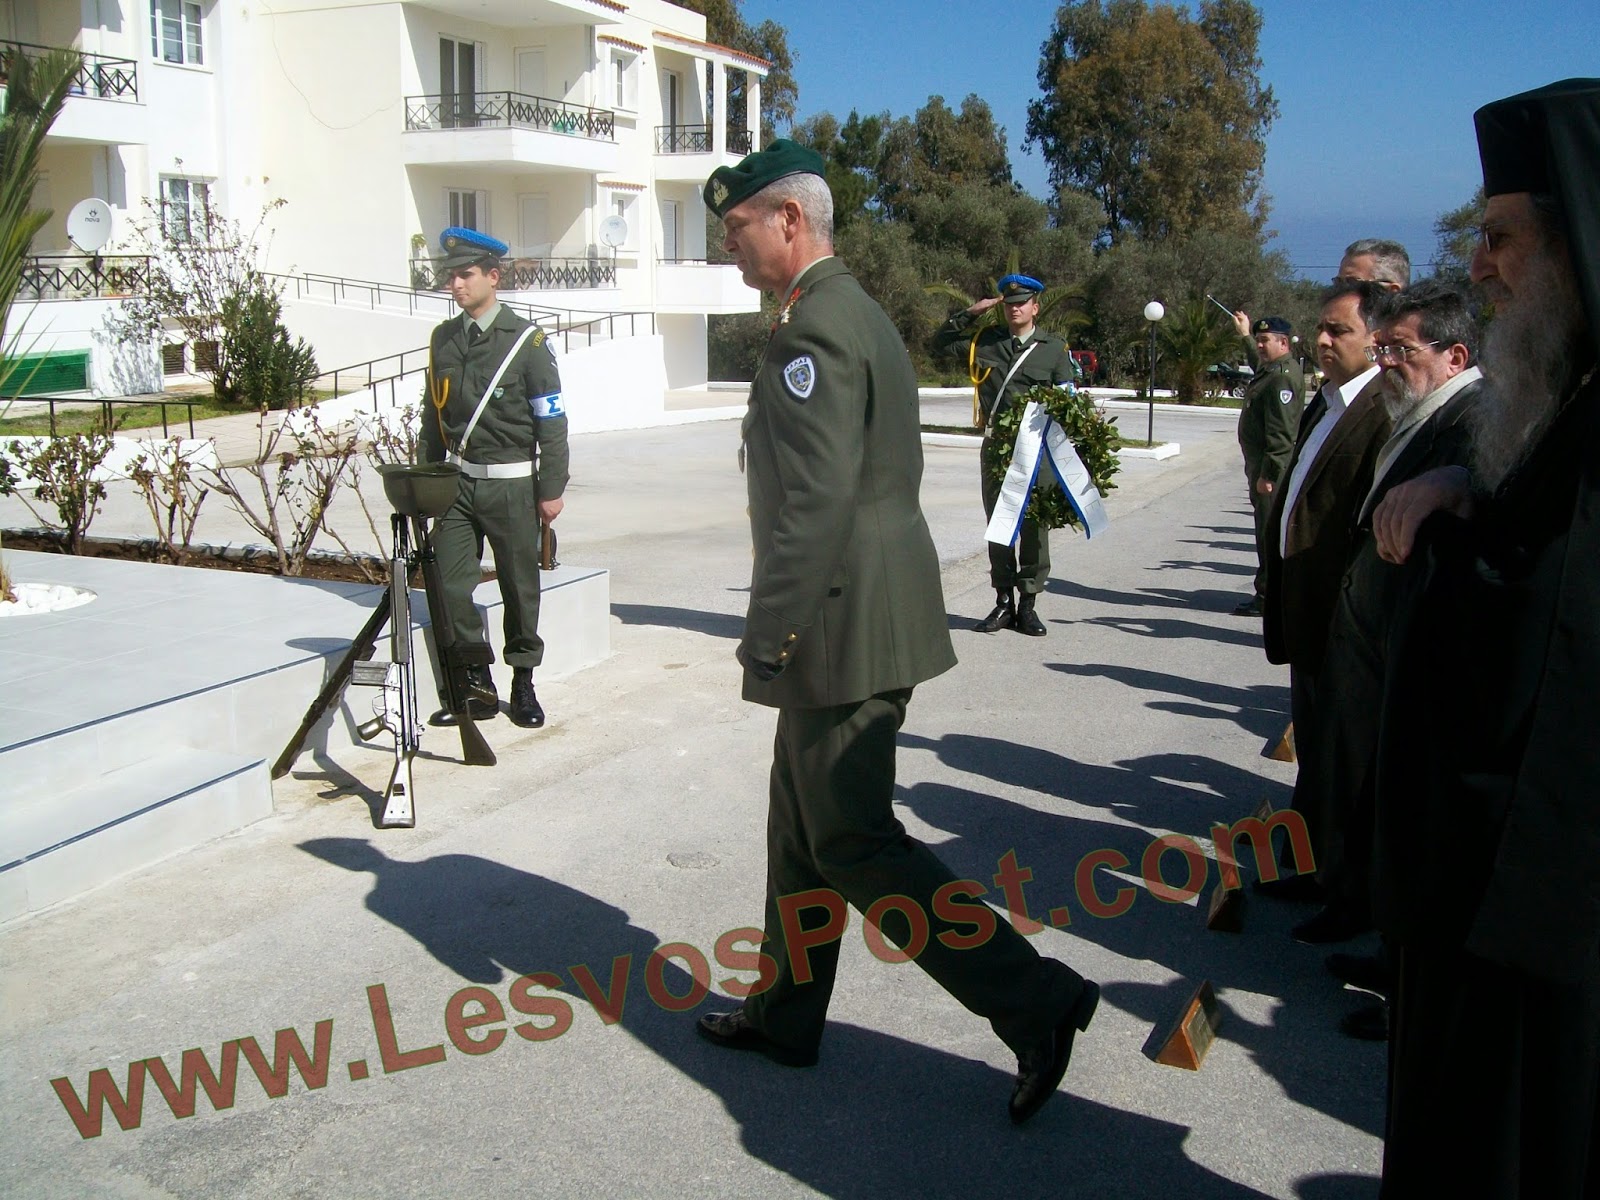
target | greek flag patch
[
  {"x": 547, "y": 406},
  {"x": 800, "y": 377},
  {"x": 1285, "y": 396}
]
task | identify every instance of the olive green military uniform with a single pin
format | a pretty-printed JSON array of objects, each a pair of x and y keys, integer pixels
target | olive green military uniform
[
  {"x": 845, "y": 599},
  {"x": 1268, "y": 421},
  {"x": 1025, "y": 566},
  {"x": 508, "y": 435}
]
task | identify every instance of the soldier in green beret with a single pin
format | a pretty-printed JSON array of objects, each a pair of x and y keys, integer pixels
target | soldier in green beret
[
  {"x": 1268, "y": 421},
  {"x": 494, "y": 409},
  {"x": 1013, "y": 357},
  {"x": 846, "y": 617}
]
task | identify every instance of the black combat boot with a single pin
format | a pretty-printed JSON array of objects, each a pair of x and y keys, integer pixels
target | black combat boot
[
  {"x": 483, "y": 702},
  {"x": 1004, "y": 614},
  {"x": 1027, "y": 620},
  {"x": 525, "y": 710}
]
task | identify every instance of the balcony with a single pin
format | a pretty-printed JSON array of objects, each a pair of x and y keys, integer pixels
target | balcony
[
  {"x": 696, "y": 286},
  {"x": 81, "y": 277},
  {"x": 103, "y": 106},
  {"x": 684, "y": 152},
  {"x": 508, "y": 130},
  {"x": 529, "y": 274}
]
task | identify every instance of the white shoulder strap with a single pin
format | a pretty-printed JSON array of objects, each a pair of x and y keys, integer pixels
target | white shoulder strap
[
  {"x": 1004, "y": 383},
  {"x": 483, "y": 403}
]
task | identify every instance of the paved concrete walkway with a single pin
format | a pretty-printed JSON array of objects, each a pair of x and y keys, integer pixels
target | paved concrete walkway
[{"x": 636, "y": 819}]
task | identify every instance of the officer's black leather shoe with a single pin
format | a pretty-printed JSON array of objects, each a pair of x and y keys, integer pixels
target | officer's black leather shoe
[
  {"x": 525, "y": 710},
  {"x": 1303, "y": 889},
  {"x": 1027, "y": 620},
  {"x": 1335, "y": 923},
  {"x": 1370, "y": 1024},
  {"x": 1039, "y": 1071},
  {"x": 733, "y": 1031},
  {"x": 1250, "y": 608},
  {"x": 1004, "y": 615}
]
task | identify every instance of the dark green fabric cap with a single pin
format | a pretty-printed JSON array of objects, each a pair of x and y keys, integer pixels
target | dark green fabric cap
[{"x": 730, "y": 186}]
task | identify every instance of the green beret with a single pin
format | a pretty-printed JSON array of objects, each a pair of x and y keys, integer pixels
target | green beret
[{"x": 730, "y": 186}]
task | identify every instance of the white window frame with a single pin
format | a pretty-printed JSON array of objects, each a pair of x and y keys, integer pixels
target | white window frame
[
  {"x": 622, "y": 79},
  {"x": 480, "y": 203},
  {"x": 178, "y": 27},
  {"x": 183, "y": 197}
]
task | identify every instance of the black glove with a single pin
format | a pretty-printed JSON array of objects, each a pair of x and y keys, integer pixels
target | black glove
[{"x": 764, "y": 671}]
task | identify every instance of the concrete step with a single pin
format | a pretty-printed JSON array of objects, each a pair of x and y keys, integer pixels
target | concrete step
[{"x": 54, "y": 846}]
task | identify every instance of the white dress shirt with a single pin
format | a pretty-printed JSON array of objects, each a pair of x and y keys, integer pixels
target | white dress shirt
[{"x": 1338, "y": 399}]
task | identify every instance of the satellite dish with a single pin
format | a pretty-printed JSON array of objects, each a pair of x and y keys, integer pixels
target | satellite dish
[
  {"x": 89, "y": 225},
  {"x": 613, "y": 231}
]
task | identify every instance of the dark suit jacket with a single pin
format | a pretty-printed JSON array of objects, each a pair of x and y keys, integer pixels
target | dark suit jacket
[
  {"x": 1303, "y": 583},
  {"x": 845, "y": 591},
  {"x": 1350, "y": 684},
  {"x": 1487, "y": 755}
]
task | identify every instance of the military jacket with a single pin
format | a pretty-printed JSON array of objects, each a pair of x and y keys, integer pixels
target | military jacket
[
  {"x": 844, "y": 591},
  {"x": 1049, "y": 362},
  {"x": 523, "y": 420},
  {"x": 1270, "y": 417}
]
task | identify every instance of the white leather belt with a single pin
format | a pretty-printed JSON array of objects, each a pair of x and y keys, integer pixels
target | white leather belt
[{"x": 472, "y": 470}]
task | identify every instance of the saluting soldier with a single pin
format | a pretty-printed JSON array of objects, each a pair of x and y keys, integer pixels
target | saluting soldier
[
  {"x": 1268, "y": 421},
  {"x": 494, "y": 409},
  {"x": 846, "y": 616},
  {"x": 1008, "y": 361}
]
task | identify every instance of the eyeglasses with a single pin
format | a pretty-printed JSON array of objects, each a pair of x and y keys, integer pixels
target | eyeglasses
[
  {"x": 1491, "y": 235},
  {"x": 1395, "y": 354}
]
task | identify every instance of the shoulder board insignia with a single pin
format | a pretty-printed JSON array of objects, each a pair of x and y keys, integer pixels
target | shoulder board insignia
[
  {"x": 800, "y": 377},
  {"x": 538, "y": 338}
]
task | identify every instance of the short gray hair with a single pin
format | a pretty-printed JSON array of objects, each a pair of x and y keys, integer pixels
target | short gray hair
[
  {"x": 1390, "y": 262},
  {"x": 810, "y": 192}
]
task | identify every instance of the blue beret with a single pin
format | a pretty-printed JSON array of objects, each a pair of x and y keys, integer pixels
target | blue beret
[
  {"x": 1018, "y": 289},
  {"x": 1272, "y": 325},
  {"x": 463, "y": 247},
  {"x": 729, "y": 186}
]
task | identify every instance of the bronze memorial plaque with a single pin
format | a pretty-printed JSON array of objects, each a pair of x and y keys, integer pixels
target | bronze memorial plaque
[{"x": 1195, "y": 1030}]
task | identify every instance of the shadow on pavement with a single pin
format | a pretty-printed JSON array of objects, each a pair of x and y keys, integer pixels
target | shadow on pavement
[
  {"x": 723, "y": 625},
  {"x": 878, "y": 1117},
  {"x": 1261, "y": 709}
]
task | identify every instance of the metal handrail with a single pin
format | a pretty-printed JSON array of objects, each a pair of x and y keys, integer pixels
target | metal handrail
[
  {"x": 81, "y": 276},
  {"x": 97, "y": 76},
  {"x": 106, "y": 403},
  {"x": 508, "y": 110}
]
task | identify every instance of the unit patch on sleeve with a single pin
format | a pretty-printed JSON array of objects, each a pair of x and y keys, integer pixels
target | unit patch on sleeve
[
  {"x": 1285, "y": 396},
  {"x": 800, "y": 377}
]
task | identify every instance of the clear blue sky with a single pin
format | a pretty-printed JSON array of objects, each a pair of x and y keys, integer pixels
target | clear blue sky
[{"x": 1374, "y": 138}]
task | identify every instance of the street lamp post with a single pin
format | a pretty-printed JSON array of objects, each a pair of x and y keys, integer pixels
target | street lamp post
[{"x": 1153, "y": 312}]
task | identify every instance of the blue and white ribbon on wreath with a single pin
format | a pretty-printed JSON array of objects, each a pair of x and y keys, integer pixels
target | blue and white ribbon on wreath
[{"x": 1040, "y": 439}]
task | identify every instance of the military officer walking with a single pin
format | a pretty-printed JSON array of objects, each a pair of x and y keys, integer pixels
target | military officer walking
[
  {"x": 1009, "y": 361},
  {"x": 1268, "y": 421},
  {"x": 494, "y": 409},
  {"x": 846, "y": 616}
]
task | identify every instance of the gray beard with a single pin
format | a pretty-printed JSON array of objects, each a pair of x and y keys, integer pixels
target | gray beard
[
  {"x": 1528, "y": 354},
  {"x": 1399, "y": 398}
]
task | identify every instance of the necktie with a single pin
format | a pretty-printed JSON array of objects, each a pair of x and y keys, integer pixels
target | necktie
[{"x": 473, "y": 333}]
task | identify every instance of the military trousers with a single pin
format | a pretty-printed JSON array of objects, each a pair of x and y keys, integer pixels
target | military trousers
[
  {"x": 831, "y": 825},
  {"x": 505, "y": 512},
  {"x": 1025, "y": 564},
  {"x": 1261, "y": 507}
]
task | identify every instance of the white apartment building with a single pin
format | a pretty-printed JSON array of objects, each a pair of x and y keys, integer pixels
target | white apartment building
[{"x": 381, "y": 123}]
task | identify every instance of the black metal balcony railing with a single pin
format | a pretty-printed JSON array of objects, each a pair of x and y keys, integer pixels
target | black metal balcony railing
[
  {"x": 508, "y": 110},
  {"x": 528, "y": 274},
  {"x": 696, "y": 139},
  {"x": 80, "y": 277},
  {"x": 104, "y": 78}
]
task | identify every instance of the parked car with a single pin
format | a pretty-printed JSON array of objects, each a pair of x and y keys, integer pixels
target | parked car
[{"x": 1230, "y": 379}]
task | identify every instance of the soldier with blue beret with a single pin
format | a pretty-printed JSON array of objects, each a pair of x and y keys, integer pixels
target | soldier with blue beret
[
  {"x": 1007, "y": 360},
  {"x": 494, "y": 408}
]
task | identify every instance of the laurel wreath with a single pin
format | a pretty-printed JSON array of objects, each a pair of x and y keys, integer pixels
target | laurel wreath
[{"x": 1092, "y": 434}]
